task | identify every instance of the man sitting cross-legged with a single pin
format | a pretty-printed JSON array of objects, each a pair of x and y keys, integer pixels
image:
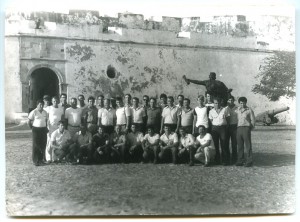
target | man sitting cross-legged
[
  {"x": 134, "y": 143},
  {"x": 168, "y": 146},
  {"x": 205, "y": 147},
  {"x": 150, "y": 146},
  {"x": 60, "y": 142}
]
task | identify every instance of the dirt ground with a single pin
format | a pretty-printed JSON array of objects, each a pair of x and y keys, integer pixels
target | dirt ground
[{"x": 147, "y": 189}]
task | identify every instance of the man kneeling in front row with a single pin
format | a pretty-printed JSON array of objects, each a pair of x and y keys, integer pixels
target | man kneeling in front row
[{"x": 168, "y": 146}]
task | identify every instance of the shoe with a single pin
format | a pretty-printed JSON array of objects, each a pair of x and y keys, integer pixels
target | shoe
[
  {"x": 191, "y": 163},
  {"x": 239, "y": 164},
  {"x": 248, "y": 164}
]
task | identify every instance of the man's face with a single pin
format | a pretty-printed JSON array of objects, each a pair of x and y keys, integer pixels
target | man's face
[
  {"x": 106, "y": 103},
  {"x": 83, "y": 130},
  {"x": 170, "y": 102},
  {"x": 201, "y": 130},
  {"x": 201, "y": 101},
  {"x": 208, "y": 97},
  {"x": 61, "y": 127},
  {"x": 46, "y": 102},
  {"x": 100, "y": 130},
  {"x": 40, "y": 106},
  {"x": 243, "y": 104},
  {"x": 186, "y": 103},
  {"x": 73, "y": 103},
  {"x": 230, "y": 102},
  {"x": 135, "y": 102},
  {"x": 182, "y": 132},
  {"x": 163, "y": 100},
  {"x": 146, "y": 100},
  {"x": 54, "y": 102},
  {"x": 63, "y": 99},
  {"x": 118, "y": 129},
  {"x": 216, "y": 104},
  {"x": 152, "y": 103},
  {"x": 127, "y": 99},
  {"x": 81, "y": 99},
  {"x": 119, "y": 103},
  {"x": 150, "y": 132},
  {"x": 100, "y": 100},
  {"x": 167, "y": 129},
  {"x": 180, "y": 99},
  {"x": 91, "y": 102},
  {"x": 133, "y": 128}
]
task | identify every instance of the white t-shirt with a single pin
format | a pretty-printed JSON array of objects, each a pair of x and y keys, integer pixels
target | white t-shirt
[
  {"x": 73, "y": 116},
  {"x": 206, "y": 138},
  {"x": 60, "y": 138},
  {"x": 202, "y": 118},
  {"x": 107, "y": 116},
  {"x": 39, "y": 118},
  {"x": 170, "y": 114},
  {"x": 151, "y": 139},
  {"x": 55, "y": 115},
  {"x": 173, "y": 138},
  {"x": 122, "y": 114},
  {"x": 138, "y": 114},
  {"x": 219, "y": 119}
]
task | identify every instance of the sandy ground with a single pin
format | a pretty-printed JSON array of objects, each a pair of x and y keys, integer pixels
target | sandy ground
[{"x": 147, "y": 189}]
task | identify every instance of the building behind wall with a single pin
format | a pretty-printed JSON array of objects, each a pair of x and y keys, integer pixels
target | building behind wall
[{"x": 83, "y": 53}]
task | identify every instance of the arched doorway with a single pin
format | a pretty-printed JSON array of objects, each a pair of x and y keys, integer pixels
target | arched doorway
[{"x": 43, "y": 81}]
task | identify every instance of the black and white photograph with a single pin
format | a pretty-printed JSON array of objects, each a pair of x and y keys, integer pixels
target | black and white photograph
[{"x": 155, "y": 108}]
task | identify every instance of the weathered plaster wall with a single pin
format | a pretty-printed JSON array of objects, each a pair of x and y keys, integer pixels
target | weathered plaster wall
[{"x": 148, "y": 56}]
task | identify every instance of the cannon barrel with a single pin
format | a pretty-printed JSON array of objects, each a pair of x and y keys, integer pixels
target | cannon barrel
[{"x": 273, "y": 112}]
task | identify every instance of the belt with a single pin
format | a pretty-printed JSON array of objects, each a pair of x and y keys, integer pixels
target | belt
[{"x": 73, "y": 126}]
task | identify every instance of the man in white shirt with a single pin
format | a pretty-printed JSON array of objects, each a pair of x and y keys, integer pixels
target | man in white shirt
[
  {"x": 107, "y": 117},
  {"x": 60, "y": 143},
  {"x": 138, "y": 115},
  {"x": 186, "y": 116},
  {"x": 150, "y": 146},
  {"x": 219, "y": 118},
  {"x": 170, "y": 116},
  {"x": 168, "y": 146},
  {"x": 205, "y": 147},
  {"x": 73, "y": 117},
  {"x": 37, "y": 121},
  {"x": 200, "y": 115},
  {"x": 123, "y": 115},
  {"x": 186, "y": 147}
]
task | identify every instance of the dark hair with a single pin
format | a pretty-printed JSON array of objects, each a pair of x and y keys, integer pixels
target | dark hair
[
  {"x": 150, "y": 127},
  {"x": 55, "y": 97},
  {"x": 171, "y": 97},
  {"x": 128, "y": 95},
  {"x": 91, "y": 98},
  {"x": 187, "y": 100},
  {"x": 63, "y": 94},
  {"x": 200, "y": 96},
  {"x": 61, "y": 122},
  {"x": 135, "y": 98},
  {"x": 242, "y": 99},
  {"x": 73, "y": 98},
  {"x": 202, "y": 127},
  {"x": 162, "y": 96},
  {"x": 118, "y": 98},
  {"x": 39, "y": 101},
  {"x": 81, "y": 95},
  {"x": 180, "y": 96},
  {"x": 217, "y": 99}
]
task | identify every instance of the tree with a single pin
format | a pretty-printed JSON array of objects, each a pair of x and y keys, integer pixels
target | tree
[{"x": 277, "y": 76}]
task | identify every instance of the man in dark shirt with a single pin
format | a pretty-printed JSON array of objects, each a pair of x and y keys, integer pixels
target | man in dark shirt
[{"x": 100, "y": 144}]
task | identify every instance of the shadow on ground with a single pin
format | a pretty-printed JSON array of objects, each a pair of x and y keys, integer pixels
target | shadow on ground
[{"x": 273, "y": 159}]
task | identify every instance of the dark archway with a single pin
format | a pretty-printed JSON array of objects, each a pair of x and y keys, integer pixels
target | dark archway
[{"x": 43, "y": 81}]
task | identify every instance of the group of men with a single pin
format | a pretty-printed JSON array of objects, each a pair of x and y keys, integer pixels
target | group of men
[{"x": 109, "y": 130}]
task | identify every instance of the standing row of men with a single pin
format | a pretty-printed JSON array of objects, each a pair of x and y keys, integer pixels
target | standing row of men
[{"x": 114, "y": 123}]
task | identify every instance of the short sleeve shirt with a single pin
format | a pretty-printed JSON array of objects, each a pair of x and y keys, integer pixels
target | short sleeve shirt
[
  {"x": 100, "y": 140},
  {"x": 83, "y": 139},
  {"x": 138, "y": 114},
  {"x": 90, "y": 115},
  {"x": 188, "y": 140},
  {"x": 171, "y": 139},
  {"x": 39, "y": 119},
  {"x": 202, "y": 118},
  {"x": 233, "y": 119},
  {"x": 170, "y": 114},
  {"x": 55, "y": 115},
  {"x": 122, "y": 114},
  {"x": 187, "y": 117},
  {"x": 107, "y": 116},
  {"x": 219, "y": 119},
  {"x": 73, "y": 116},
  {"x": 60, "y": 138},
  {"x": 151, "y": 139},
  {"x": 205, "y": 139}
]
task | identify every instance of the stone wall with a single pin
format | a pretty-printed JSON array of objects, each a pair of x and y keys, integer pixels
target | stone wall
[{"x": 148, "y": 56}]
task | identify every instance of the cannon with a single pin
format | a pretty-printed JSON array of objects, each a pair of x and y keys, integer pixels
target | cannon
[{"x": 268, "y": 117}]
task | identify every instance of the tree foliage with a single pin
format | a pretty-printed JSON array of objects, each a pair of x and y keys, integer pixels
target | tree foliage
[{"x": 277, "y": 76}]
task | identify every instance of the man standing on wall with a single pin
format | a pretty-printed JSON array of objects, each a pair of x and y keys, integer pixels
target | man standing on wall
[{"x": 214, "y": 87}]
